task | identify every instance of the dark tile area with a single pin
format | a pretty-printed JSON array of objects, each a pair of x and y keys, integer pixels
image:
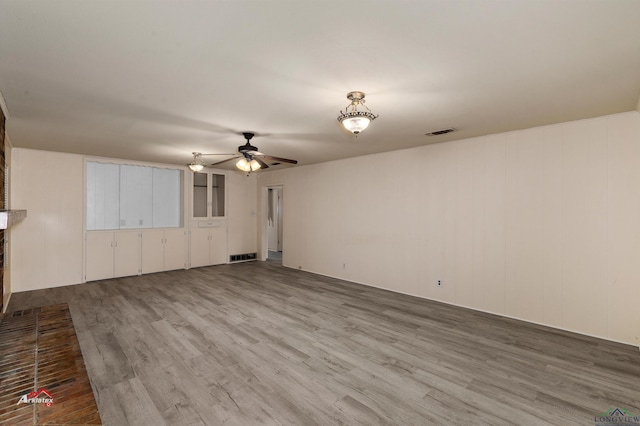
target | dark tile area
[{"x": 43, "y": 380}]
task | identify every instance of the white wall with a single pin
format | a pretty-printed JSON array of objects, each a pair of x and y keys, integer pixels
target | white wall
[
  {"x": 47, "y": 247},
  {"x": 541, "y": 224},
  {"x": 241, "y": 213}
]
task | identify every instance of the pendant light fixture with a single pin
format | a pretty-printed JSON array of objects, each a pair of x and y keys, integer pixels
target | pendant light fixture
[{"x": 355, "y": 120}]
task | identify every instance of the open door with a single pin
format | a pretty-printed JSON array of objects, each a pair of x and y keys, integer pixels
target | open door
[{"x": 274, "y": 223}]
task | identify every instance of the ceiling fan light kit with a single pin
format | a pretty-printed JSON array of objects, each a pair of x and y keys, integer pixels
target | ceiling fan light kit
[
  {"x": 247, "y": 166},
  {"x": 250, "y": 159},
  {"x": 355, "y": 120}
]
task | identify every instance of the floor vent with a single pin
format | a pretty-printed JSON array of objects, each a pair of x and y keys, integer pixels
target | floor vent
[{"x": 242, "y": 257}]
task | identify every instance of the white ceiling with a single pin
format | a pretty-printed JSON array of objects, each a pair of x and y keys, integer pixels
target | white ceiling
[{"x": 154, "y": 80}]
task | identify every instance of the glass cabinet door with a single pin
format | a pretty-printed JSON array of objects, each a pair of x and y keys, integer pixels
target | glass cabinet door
[
  {"x": 208, "y": 195},
  {"x": 200, "y": 195},
  {"x": 217, "y": 195}
]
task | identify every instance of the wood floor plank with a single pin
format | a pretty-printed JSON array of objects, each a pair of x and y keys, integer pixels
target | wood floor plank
[{"x": 256, "y": 343}]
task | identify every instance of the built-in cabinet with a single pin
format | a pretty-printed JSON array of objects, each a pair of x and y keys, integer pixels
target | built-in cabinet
[
  {"x": 209, "y": 243},
  {"x": 163, "y": 250},
  {"x": 208, "y": 235},
  {"x": 111, "y": 254},
  {"x": 119, "y": 253},
  {"x": 209, "y": 195}
]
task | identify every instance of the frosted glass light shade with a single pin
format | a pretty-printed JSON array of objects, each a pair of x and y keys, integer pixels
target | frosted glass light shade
[
  {"x": 356, "y": 124},
  {"x": 247, "y": 166}
]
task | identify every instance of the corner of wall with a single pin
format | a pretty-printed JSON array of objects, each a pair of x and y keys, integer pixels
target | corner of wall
[
  {"x": 5, "y": 161},
  {"x": 3, "y": 106},
  {"x": 8, "y": 148}
]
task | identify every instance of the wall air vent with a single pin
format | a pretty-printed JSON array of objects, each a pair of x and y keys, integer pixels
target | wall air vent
[{"x": 441, "y": 132}]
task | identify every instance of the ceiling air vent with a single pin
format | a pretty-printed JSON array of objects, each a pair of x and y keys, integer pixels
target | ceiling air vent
[{"x": 440, "y": 132}]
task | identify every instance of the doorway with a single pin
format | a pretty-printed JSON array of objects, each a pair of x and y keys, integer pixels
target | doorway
[{"x": 274, "y": 224}]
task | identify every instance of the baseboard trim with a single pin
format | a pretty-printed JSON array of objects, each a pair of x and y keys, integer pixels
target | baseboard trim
[{"x": 6, "y": 304}]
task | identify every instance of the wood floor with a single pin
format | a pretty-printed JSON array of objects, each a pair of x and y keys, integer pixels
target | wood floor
[{"x": 256, "y": 343}]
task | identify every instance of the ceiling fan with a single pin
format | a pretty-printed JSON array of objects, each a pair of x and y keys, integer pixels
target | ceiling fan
[{"x": 250, "y": 158}]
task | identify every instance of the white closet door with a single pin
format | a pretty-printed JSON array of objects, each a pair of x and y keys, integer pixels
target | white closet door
[
  {"x": 199, "y": 247},
  {"x": 99, "y": 255},
  {"x": 218, "y": 248},
  {"x": 127, "y": 253},
  {"x": 152, "y": 251},
  {"x": 175, "y": 249}
]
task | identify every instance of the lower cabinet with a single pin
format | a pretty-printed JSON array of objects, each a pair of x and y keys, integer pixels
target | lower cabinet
[
  {"x": 208, "y": 244},
  {"x": 163, "y": 250},
  {"x": 111, "y": 254}
]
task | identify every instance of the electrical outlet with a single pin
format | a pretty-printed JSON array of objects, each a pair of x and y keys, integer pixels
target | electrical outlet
[{"x": 439, "y": 283}]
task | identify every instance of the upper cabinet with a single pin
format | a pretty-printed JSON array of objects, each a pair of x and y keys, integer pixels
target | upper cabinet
[{"x": 208, "y": 195}]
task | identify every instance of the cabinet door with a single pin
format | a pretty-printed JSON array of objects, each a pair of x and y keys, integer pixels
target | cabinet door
[
  {"x": 200, "y": 200},
  {"x": 218, "y": 245},
  {"x": 208, "y": 195},
  {"x": 175, "y": 248},
  {"x": 127, "y": 254},
  {"x": 152, "y": 251},
  {"x": 99, "y": 256},
  {"x": 199, "y": 247}
]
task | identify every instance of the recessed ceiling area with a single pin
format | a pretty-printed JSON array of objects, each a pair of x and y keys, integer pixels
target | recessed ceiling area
[{"x": 156, "y": 80}]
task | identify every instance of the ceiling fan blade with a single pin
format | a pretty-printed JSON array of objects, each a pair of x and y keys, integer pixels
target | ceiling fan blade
[
  {"x": 263, "y": 165},
  {"x": 282, "y": 160},
  {"x": 223, "y": 161},
  {"x": 229, "y": 153}
]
